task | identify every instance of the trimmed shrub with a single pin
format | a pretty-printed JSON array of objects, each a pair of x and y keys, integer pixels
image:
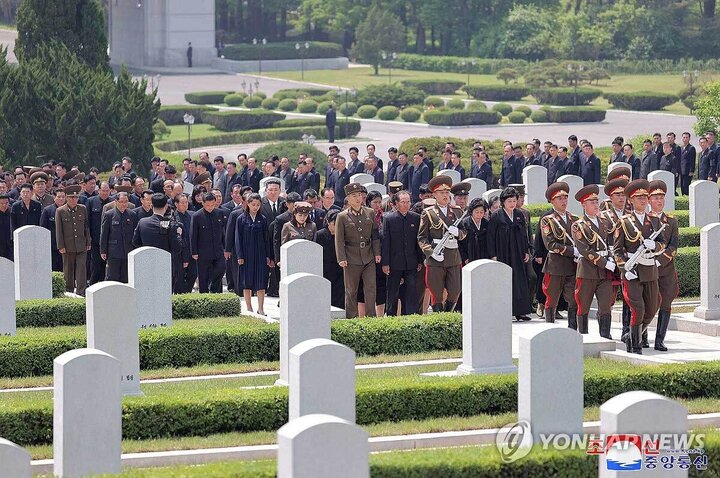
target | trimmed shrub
[
  {"x": 456, "y": 104},
  {"x": 324, "y": 106},
  {"x": 497, "y": 92},
  {"x": 261, "y": 94},
  {"x": 270, "y": 103},
  {"x": 282, "y": 51},
  {"x": 461, "y": 118},
  {"x": 517, "y": 117},
  {"x": 525, "y": 109},
  {"x": 58, "y": 284},
  {"x": 539, "y": 116},
  {"x": 641, "y": 100},
  {"x": 476, "y": 106},
  {"x": 252, "y": 102},
  {"x": 392, "y": 95},
  {"x": 293, "y": 149},
  {"x": 502, "y": 108},
  {"x": 434, "y": 101},
  {"x": 367, "y": 111},
  {"x": 566, "y": 96},
  {"x": 388, "y": 113},
  {"x": 297, "y": 122},
  {"x": 234, "y": 99},
  {"x": 207, "y": 97},
  {"x": 287, "y": 104},
  {"x": 435, "y": 87},
  {"x": 575, "y": 114},
  {"x": 173, "y": 114},
  {"x": 243, "y": 120},
  {"x": 410, "y": 115},
  {"x": 348, "y": 109},
  {"x": 302, "y": 93},
  {"x": 307, "y": 106}
]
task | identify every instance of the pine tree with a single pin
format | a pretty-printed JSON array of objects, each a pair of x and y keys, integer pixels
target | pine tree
[{"x": 380, "y": 31}]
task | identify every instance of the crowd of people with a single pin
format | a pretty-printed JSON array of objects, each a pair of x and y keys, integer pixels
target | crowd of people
[{"x": 395, "y": 254}]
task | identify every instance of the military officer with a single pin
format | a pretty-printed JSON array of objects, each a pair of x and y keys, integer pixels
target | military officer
[
  {"x": 620, "y": 172},
  {"x": 73, "y": 240},
  {"x": 357, "y": 247},
  {"x": 595, "y": 265},
  {"x": 667, "y": 277},
  {"x": 460, "y": 192},
  {"x": 640, "y": 284},
  {"x": 116, "y": 235},
  {"x": 299, "y": 227},
  {"x": 443, "y": 270},
  {"x": 39, "y": 182},
  {"x": 559, "y": 267}
]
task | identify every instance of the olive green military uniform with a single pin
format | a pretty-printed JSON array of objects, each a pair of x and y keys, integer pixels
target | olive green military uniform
[
  {"x": 559, "y": 267},
  {"x": 73, "y": 234}
]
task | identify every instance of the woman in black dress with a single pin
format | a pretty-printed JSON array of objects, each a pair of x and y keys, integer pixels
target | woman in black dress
[
  {"x": 331, "y": 270},
  {"x": 474, "y": 246},
  {"x": 507, "y": 242}
]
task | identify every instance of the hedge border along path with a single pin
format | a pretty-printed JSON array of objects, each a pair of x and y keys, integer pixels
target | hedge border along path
[{"x": 188, "y": 410}]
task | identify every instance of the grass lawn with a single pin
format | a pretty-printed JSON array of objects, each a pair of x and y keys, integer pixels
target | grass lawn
[{"x": 179, "y": 132}]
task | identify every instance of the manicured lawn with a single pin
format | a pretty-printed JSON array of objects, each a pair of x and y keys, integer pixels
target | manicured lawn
[{"x": 179, "y": 132}]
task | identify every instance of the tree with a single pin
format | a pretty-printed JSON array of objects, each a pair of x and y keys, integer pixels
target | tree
[
  {"x": 707, "y": 109},
  {"x": 507, "y": 74},
  {"x": 77, "y": 24},
  {"x": 378, "y": 32}
]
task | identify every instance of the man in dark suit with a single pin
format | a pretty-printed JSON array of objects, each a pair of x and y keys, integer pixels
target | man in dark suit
[
  {"x": 236, "y": 198},
  {"x": 393, "y": 163},
  {"x": 371, "y": 168},
  {"x": 572, "y": 165},
  {"x": 252, "y": 176},
  {"x": 316, "y": 215},
  {"x": 512, "y": 167},
  {"x": 649, "y": 161},
  {"x": 146, "y": 207},
  {"x": 555, "y": 166},
  {"x": 301, "y": 178},
  {"x": 95, "y": 206},
  {"x": 418, "y": 175},
  {"x": 116, "y": 235},
  {"x": 271, "y": 206},
  {"x": 25, "y": 211},
  {"x": 313, "y": 175},
  {"x": 231, "y": 178},
  {"x": 401, "y": 171},
  {"x": 207, "y": 239},
  {"x": 632, "y": 160},
  {"x": 286, "y": 173},
  {"x": 342, "y": 179},
  {"x": 184, "y": 280},
  {"x": 330, "y": 120},
  {"x": 706, "y": 160},
  {"x": 688, "y": 157},
  {"x": 590, "y": 166},
  {"x": 279, "y": 222},
  {"x": 481, "y": 168},
  {"x": 169, "y": 174},
  {"x": 6, "y": 238},
  {"x": 617, "y": 155},
  {"x": 47, "y": 220},
  {"x": 401, "y": 255}
]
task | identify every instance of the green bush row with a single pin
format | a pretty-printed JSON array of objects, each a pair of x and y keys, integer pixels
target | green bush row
[
  {"x": 497, "y": 92},
  {"x": 242, "y": 120},
  {"x": 461, "y": 118},
  {"x": 262, "y": 136},
  {"x": 58, "y": 284},
  {"x": 641, "y": 100},
  {"x": 173, "y": 114},
  {"x": 282, "y": 51},
  {"x": 575, "y": 114},
  {"x": 566, "y": 96},
  {"x": 303, "y": 93},
  {"x": 380, "y": 401},
  {"x": 389, "y": 95},
  {"x": 298, "y": 122},
  {"x": 435, "y": 87},
  {"x": 207, "y": 97}
]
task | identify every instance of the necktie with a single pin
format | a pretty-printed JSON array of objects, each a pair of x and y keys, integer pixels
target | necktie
[{"x": 274, "y": 209}]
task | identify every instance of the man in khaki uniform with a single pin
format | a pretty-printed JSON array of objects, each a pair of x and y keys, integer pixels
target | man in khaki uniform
[
  {"x": 620, "y": 172},
  {"x": 596, "y": 264},
  {"x": 435, "y": 221},
  {"x": 559, "y": 267},
  {"x": 73, "y": 240},
  {"x": 357, "y": 247},
  {"x": 640, "y": 285}
]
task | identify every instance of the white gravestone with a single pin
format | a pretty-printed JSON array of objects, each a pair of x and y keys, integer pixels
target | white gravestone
[
  {"x": 87, "y": 415},
  {"x": 703, "y": 203},
  {"x": 14, "y": 460},
  {"x": 490, "y": 194},
  {"x": 316, "y": 367},
  {"x": 7, "y": 298},
  {"x": 302, "y": 319},
  {"x": 375, "y": 187},
  {"x": 550, "y": 381},
  {"x": 487, "y": 322},
  {"x": 33, "y": 265},
  {"x": 534, "y": 178},
  {"x": 322, "y": 446},
  {"x": 669, "y": 179},
  {"x": 188, "y": 188},
  {"x": 111, "y": 327},
  {"x": 477, "y": 188},
  {"x": 640, "y": 413},
  {"x": 454, "y": 175},
  {"x": 709, "y": 308},
  {"x": 575, "y": 183},
  {"x": 150, "y": 274},
  {"x": 301, "y": 255},
  {"x": 362, "y": 178}
]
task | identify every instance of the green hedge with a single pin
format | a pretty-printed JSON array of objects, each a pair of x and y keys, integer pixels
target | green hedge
[
  {"x": 234, "y": 99},
  {"x": 389, "y": 95},
  {"x": 367, "y": 111},
  {"x": 502, "y": 108},
  {"x": 58, "y": 284},
  {"x": 207, "y": 97},
  {"x": 435, "y": 87},
  {"x": 566, "y": 96},
  {"x": 254, "y": 101},
  {"x": 302, "y": 93},
  {"x": 243, "y": 120},
  {"x": 575, "y": 114},
  {"x": 297, "y": 122},
  {"x": 388, "y": 113},
  {"x": 539, "y": 116},
  {"x": 641, "y": 100},
  {"x": 282, "y": 51},
  {"x": 270, "y": 103},
  {"x": 456, "y": 104},
  {"x": 497, "y": 92},
  {"x": 517, "y": 117},
  {"x": 410, "y": 115},
  {"x": 461, "y": 118},
  {"x": 173, "y": 114},
  {"x": 262, "y": 136},
  {"x": 288, "y": 104}
]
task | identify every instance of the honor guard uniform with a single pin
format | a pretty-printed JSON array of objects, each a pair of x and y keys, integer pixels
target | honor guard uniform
[
  {"x": 460, "y": 192},
  {"x": 640, "y": 283},
  {"x": 596, "y": 264},
  {"x": 438, "y": 227},
  {"x": 667, "y": 276},
  {"x": 559, "y": 268},
  {"x": 620, "y": 172},
  {"x": 357, "y": 247}
]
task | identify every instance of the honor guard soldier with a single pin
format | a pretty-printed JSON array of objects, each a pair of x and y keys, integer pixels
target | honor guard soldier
[
  {"x": 667, "y": 276},
  {"x": 620, "y": 172},
  {"x": 636, "y": 239},
  {"x": 73, "y": 240},
  {"x": 438, "y": 238},
  {"x": 357, "y": 246},
  {"x": 559, "y": 268},
  {"x": 460, "y": 192},
  {"x": 596, "y": 264}
]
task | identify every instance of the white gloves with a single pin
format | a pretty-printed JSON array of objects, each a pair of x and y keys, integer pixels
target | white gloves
[
  {"x": 630, "y": 276},
  {"x": 609, "y": 265},
  {"x": 576, "y": 252},
  {"x": 454, "y": 231},
  {"x": 657, "y": 262},
  {"x": 649, "y": 243}
]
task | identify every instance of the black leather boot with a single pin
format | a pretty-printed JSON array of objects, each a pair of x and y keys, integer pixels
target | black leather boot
[
  {"x": 625, "y": 321},
  {"x": 662, "y": 325},
  {"x": 644, "y": 342},
  {"x": 437, "y": 307},
  {"x": 550, "y": 314},
  {"x": 636, "y": 334},
  {"x": 627, "y": 339},
  {"x": 582, "y": 323},
  {"x": 572, "y": 318},
  {"x": 604, "y": 322},
  {"x": 449, "y": 306}
]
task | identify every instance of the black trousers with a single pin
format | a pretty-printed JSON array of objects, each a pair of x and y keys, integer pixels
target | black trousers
[
  {"x": 232, "y": 273},
  {"x": 409, "y": 298},
  {"x": 331, "y": 133},
  {"x": 189, "y": 275},
  {"x": 97, "y": 265},
  {"x": 117, "y": 269},
  {"x": 273, "y": 283},
  {"x": 685, "y": 180},
  {"x": 57, "y": 262},
  {"x": 209, "y": 272}
]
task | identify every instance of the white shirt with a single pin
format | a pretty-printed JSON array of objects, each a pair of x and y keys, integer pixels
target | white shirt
[
  {"x": 640, "y": 217},
  {"x": 595, "y": 221},
  {"x": 444, "y": 209}
]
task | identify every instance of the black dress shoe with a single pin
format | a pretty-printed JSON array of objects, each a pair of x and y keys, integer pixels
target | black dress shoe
[
  {"x": 524, "y": 318},
  {"x": 661, "y": 347}
]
